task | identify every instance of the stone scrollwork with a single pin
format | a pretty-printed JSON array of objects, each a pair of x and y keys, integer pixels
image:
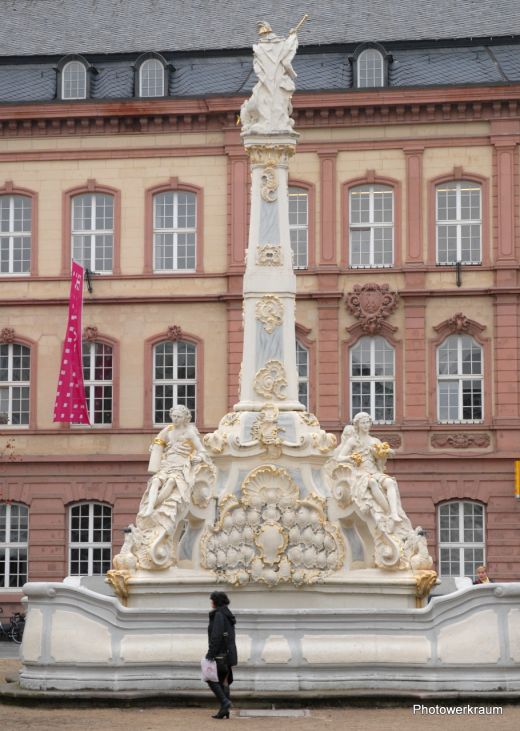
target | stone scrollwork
[
  {"x": 461, "y": 441},
  {"x": 270, "y": 381},
  {"x": 270, "y": 535},
  {"x": 371, "y": 304},
  {"x": 266, "y": 430},
  {"x": 269, "y": 312},
  {"x": 269, "y": 255},
  {"x": 269, "y": 184}
]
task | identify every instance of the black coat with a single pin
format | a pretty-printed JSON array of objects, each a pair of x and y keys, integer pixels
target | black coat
[{"x": 221, "y": 635}]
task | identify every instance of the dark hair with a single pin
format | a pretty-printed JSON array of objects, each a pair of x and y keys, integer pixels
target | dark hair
[{"x": 219, "y": 599}]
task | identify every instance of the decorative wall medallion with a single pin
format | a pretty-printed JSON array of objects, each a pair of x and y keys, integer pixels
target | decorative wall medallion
[
  {"x": 371, "y": 304},
  {"x": 269, "y": 184},
  {"x": 269, "y": 255},
  {"x": 7, "y": 335},
  {"x": 393, "y": 440},
  {"x": 269, "y": 311},
  {"x": 461, "y": 441},
  {"x": 174, "y": 333},
  {"x": 270, "y": 381},
  {"x": 90, "y": 333},
  {"x": 269, "y": 534},
  {"x": 459, "y": 323}
]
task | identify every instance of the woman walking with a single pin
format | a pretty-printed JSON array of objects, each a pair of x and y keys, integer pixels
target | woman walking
[{"x": 222, "y": 649}]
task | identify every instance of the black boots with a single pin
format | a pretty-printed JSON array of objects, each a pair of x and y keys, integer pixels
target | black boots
[{"x": 223, "y": 697}]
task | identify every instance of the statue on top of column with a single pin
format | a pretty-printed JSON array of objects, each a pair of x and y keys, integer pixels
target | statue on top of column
[{"x": 268, "y": 109}]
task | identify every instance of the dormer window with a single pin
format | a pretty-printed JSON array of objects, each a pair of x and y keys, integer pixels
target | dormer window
[
  {"x": 151, "y": 76},
  {"x": 370, "y": 63},
  {"x": 74, "y": 78}
]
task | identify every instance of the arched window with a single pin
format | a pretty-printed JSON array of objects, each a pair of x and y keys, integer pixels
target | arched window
[
  {"x": 97, "y": 375},
  {"x": 174, "y": 381},
  {"x": 299, "y": 226},
  {"x": 174, "y": 231},
  {"x": 92, "y": 233},
  {"x": 14, "y": 528},
  {"x": 460, "y": 380},
  {"x": 459, "y": 222},
  {"x": 302, "y": 366},
  {"x": 370, "y": 69},
  {"x": 15, "y": 382},
  {"x": 15, "y": 234},
  {"x": 151, "y": 78},
  {"x": 74, "y": 80},
  {"x": 90, "y": 539},
  {"x": 371, "y": 233},
  {"x": 461, "y": 538},
  {"x": 372, "y": 379}
]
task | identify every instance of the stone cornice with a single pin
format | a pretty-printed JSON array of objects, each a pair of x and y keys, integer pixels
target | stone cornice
[{"x": 320, "y": 109}]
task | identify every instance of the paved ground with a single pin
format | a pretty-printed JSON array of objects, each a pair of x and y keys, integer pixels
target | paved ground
[{"x": 161, "y": 718}]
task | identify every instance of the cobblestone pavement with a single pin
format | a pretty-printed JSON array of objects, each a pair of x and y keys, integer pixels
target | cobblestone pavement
[{"x": 157, "y": 718}]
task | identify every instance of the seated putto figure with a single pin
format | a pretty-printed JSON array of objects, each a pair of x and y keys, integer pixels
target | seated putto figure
[{"x": 367, "y": 455}]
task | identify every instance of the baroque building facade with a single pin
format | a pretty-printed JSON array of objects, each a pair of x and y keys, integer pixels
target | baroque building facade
[{"x": 404, "y": 199}]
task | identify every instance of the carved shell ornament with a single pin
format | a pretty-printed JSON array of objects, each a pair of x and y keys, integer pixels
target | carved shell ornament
[
  {"x": 270, "y": 381},
  {"x": 371, "y": 304},
  {"x": 269, "y": 312},
  {"x": 269, "y": 535},
  {"x": 269, "y": 255}
]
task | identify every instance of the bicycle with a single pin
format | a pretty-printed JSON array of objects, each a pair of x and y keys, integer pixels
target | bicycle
[{"x": 14, "y": 630}]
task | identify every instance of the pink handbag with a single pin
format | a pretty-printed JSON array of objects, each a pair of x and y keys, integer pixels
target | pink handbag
[{"x": 209, "y": 670}]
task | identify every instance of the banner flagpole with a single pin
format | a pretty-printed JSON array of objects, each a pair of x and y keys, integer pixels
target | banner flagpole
[{"x": 71, "y": 405}]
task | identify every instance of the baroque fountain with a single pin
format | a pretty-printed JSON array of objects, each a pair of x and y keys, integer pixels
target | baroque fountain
[{"x": 308, "y": 537}]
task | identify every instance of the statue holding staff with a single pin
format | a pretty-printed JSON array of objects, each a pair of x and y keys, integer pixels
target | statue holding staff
[{"x": 269, "y": 108}]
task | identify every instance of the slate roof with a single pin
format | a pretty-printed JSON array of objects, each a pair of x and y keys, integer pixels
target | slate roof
[
  {"x": 41, "y": 27},
  {"x": 196, "y": 76}
]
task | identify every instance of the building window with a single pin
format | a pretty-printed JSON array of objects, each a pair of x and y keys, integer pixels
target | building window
[
  {"x": 15, "y": 376},
  {"x": 97, "y": 375},
  {"x": 14, "y": 527},
  {"x": 74, "y": 80},
  {"x": 299, "y": 226},
  {"x": 90, "y": 543},
  {"x": 15, "y": 234},
  {"x": 459, "y": 223},
  {"x": 93, "y": 231},
  {"x": 174, "y": 367},
  {"x": 371, "y": 226},
  {"x": 151, "y": 78},
  {"x": 372, "y": 379},
  {"x": 461, "y": 538},
  {"x": 302, "y": 366},
  {"x": 459, "y": 379},
  {"x": 174, "y": 231},
  {"x": 370, "y": 69}
]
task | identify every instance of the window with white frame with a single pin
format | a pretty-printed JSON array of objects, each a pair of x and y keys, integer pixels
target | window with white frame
[
  {"x": 15, "y": 234},
  {"x": 97, "y": 376},
  {"x": 14, "y": 530},
  {"x": 174, "y": 231},
  {"x": 174, "y": 368},
  {"x": 90, "y": 539},
  {"x": 371, "y": 226},
  {"x": 15, "y": 377},
  {"x": 93, "y": 231},
  {"x": 370, "y": 69},
  {"x": 460, "y": 379},
  {"x": 299, "y": 226},
  {"x": 461, "y": 538},
  {"x": 302, "y": 366},
  {"x": 74, "y": 81},
  {"x": 372, "y": 379},
  {"x": 459, "y": 222},
  {"x": 151, "y": 78}
]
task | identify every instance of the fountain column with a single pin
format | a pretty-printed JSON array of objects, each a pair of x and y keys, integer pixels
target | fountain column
[{"x": 269, "y": 355}]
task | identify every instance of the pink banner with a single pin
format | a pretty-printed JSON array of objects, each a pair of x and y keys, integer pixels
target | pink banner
[{"x": 71, "y": 405}]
